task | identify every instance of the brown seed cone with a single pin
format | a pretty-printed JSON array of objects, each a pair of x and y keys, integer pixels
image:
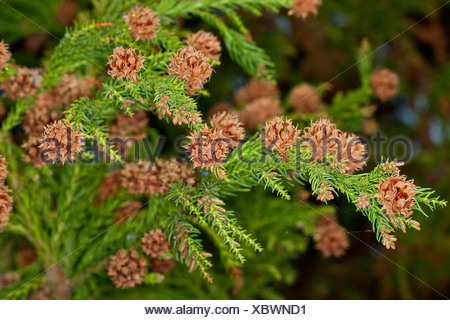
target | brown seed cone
[
  {"x": 190, "y": 65},
  {"x": 280, "y": 135},
  {"x": 3, "y": 169},
  {"x": 71, "y": 88},
  {"x": 126, "y": 269},
  {"x": 63, "y": 139},
  {"x": 384, "y": 83},
  {"x": 67, "y": 11},
  {"x": 163, "y": 266},
  {"x": 3, "y": 111},
  {"x": 137, "y": 180},
  {"x": 38, "y": 117},
  {"x": 259, "y": 111},
  {"x": 370, "y": 127},
  {"x": 332, "y": 239},
  {"x": 205, "y": 42},
  {"x": 220, "y": 107},
  {"x": 155, "y": 244},
  {"x": 169, "y": 172},
  {"x": 254, "y": 90},
  {"x": 135, "y": 177},
  {"x": 109, "y": 187},
  {"x": 25, "y": 83},
  {"x": 207, "y": 148},
  {"x": 304, "y": 99},
  {"x": 303, "y": 8},
  {"x": 48, "y": 105},
  {"x": 25, "y": 257},
  {"x": 33, "y": 153},
  {"x": 125, "y": 63},
  {"x": 353, "y": 152},
  {"x": 6, "y": 205},
  {"x": 396, "y": 194},
  {"x": 48, "y": 100},
  {"x": 142, "y": 23},
  {"x": 303, "y": 194},
  {"x": 5, "y": 55},
  {"x": 125, "y": 126},
  {"x": 8, "y": 278},
  {"x": 321, "y": 138},
  {"x": 128, "y": 211},
  {"x": 34, "y": 43},
  {"x": 230, "y": 126}
]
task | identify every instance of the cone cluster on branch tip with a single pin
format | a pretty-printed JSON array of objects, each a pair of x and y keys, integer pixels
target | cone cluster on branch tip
[
  {"x": 126, "y": 63},
  {"x": 182, "y": 116},
  {"x": 155, "y": 244},
  {"x": 325, "y": 192},
  {"x": 26, "y": 82},
  {"x": 396, "y": 194},
  {"x": 142, "y": 23},
  {"x": 384, "y": 83},
  {"x": 6, "y": 201},
  {"x": 205, "y": 42},
  {"x": 230, "y": 126},
  {"x": 388, "y": 240},
  {"x": 392, "y": 167},
  {"x": 61, "y": 142},
  {"x": 138, "y": 180},
  {"x": 305, "y": 99},
  {"x": 323, "y": 138},
  {"x": 280, "y": 135},
  {"x": 127, "y": 269},
  {"x": 207, "y": 147},
  {"x": 304, "y": 8},
  {"x": 190, "y": 65},
  {"x": 331, "y": 240},
  {"x": 363, "y": 201},
  {"x": 5, "y": 55}
]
